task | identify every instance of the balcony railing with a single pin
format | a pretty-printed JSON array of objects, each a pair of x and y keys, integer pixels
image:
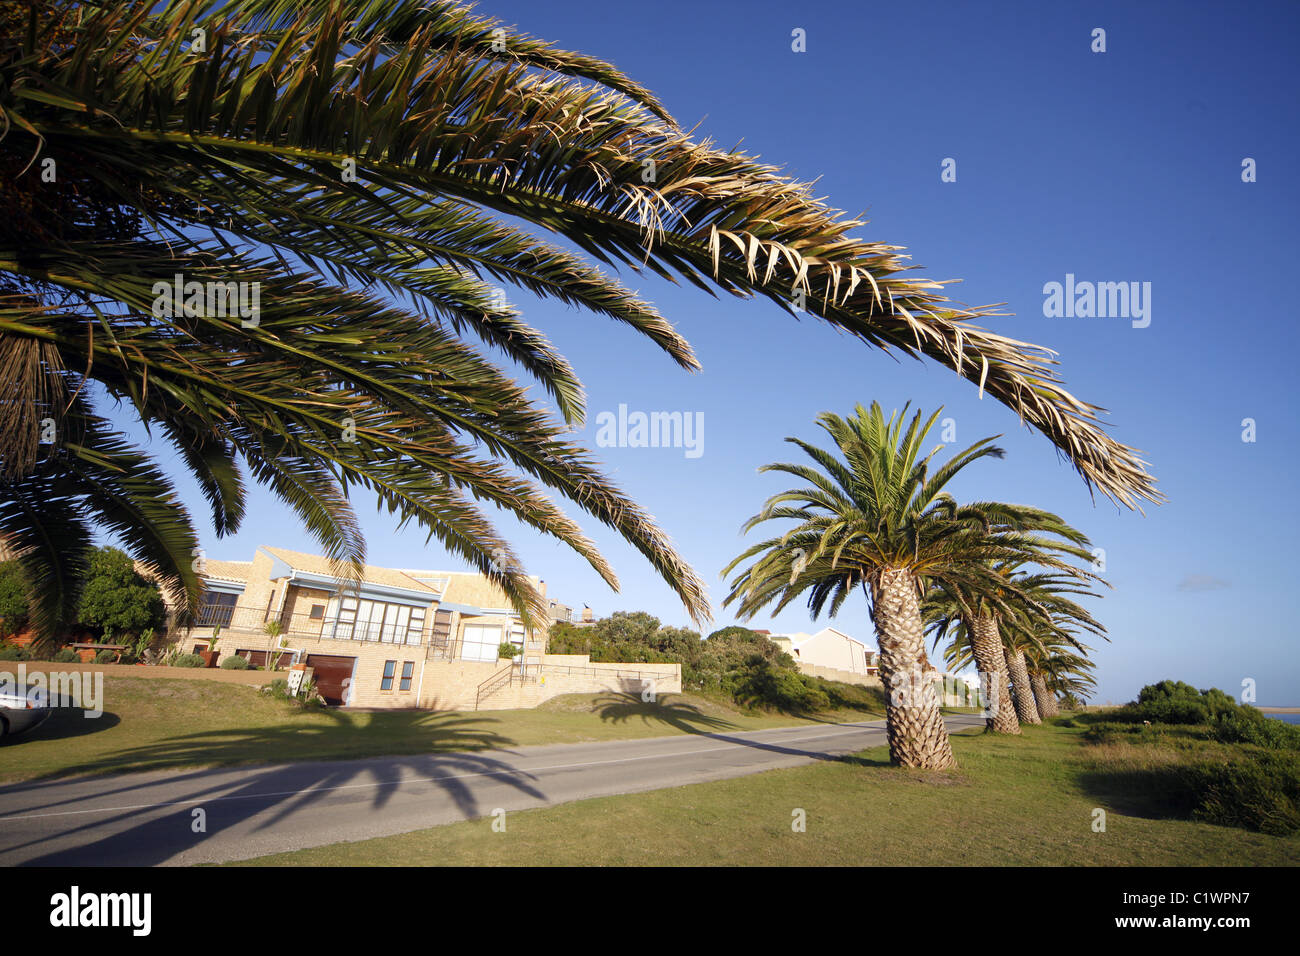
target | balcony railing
[{"x": 305, "y": 626}]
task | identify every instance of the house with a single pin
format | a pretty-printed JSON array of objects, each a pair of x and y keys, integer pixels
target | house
[
  {"x": 394, "y": 638},
  {"x": 830, "y": 648}
]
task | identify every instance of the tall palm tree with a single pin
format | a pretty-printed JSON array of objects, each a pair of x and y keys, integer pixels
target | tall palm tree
[
  {"x": 875, "y": 514},
  {"x": 356, "y": 162}
]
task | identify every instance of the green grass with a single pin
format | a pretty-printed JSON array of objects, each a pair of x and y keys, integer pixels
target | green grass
[
  {"x": 160, "y": 724},
  {"x": 1026, "y": 800}
]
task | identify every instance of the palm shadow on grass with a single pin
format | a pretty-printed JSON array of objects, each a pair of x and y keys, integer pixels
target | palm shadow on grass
[
  {"x": 622, "y": 708},
  {"x": 444, "y": 757}
]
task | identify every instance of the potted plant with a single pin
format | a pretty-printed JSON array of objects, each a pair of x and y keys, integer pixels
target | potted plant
[{"x": 211, "y": 654}]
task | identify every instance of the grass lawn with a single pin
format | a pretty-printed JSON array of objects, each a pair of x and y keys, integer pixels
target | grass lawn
[
  {"x": 1027, "y": 800},
  {"x": 160, "y": 724}
]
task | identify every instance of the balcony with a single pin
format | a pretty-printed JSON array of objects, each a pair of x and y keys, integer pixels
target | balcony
[{"x": 305, "y": 627}]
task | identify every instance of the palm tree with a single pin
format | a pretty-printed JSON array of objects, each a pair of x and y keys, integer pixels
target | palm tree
[
  {"x": 1027, "y": 613},
  {"x": 1068, "y": 678},
  {"x": 353, "y": 163},
  {"x": 1055, "y": 667},
  {"x": 874, "y": 514}
]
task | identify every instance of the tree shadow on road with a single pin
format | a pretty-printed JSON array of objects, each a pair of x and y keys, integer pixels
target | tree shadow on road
[
  {"x": 231, "y": 795},
  {"x": 689, "y": 719}
]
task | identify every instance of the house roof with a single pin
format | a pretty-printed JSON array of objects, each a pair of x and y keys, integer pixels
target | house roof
[
  {"x": 316, "y": 564},
  {"x": 227, "y": 570}
]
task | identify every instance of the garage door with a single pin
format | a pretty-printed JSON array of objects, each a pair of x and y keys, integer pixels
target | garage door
[
  {"x": 480, "y": 642},
  {"x": 258, "y": 658},
  {"x": 330, "y": 675}
]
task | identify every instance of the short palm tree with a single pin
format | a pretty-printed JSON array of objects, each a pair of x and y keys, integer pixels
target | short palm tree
[
  {"x": 1055, "y": 667},
  {"x": 367, "y": 166},
  {"x": 875, "y": 514},
  {"x": 1027, "y": 613}
]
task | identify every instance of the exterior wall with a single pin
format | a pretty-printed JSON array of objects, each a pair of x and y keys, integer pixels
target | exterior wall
[
  {"x": 298, "y": 605},
  {"x": 830, "y": 649},
  {"x": 843, "y": 676},
  {"x": 257, "y": 590}
]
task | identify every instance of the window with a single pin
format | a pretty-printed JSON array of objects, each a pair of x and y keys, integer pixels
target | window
[
  {"x": 317, "y": 612},
  {"x": 366, "y": 620},
  {"x": 216, "y": 609},
  {"x": 408, "y": 669},
  {"x": 387, "y": 682},
  {"x": 480, "y": 642}
]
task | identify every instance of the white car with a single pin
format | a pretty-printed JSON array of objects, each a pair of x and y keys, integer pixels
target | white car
[{"x": 20, "y": 713}]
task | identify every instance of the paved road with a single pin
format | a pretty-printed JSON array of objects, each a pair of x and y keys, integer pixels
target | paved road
[{"x": 149, "y": 819}]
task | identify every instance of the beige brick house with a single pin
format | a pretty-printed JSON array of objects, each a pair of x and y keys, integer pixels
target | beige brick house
[{"x": 398, "y": 638}]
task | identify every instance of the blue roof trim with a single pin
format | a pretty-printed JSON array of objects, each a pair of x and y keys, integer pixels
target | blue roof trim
[
  {"x": 368, "y": 590},
  {"x": 223, "y": 587},
  {"x": 470, "y": 609}
]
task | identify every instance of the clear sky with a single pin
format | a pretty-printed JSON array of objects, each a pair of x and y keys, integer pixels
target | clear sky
[{"x": 1122, "y": 166}]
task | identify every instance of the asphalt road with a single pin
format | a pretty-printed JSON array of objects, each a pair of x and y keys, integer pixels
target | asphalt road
[{"x": 149, "y": 819}]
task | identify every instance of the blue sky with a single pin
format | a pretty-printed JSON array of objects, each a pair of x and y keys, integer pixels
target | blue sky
[{"x": 1115, "y": 166}]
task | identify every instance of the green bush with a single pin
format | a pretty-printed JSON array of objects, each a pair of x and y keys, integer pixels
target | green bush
[
  {"x": 508, "y": 651},
  {"x": 308, "y": 697},
  {"x": 759, "y": 683},
  {"x": 1246, "y": 725},
  {"x": 12, "y": 653},
  {"x": 115, "y": 598},
  {"x": 106, "y": 657},
  {"x": 66, "y": 655},
  {"x": 189, "y": 660},
  {"x": 13, "y": 599},
  {"x": 1172, "y": 702},
  {"x": 1259, "y": 792},
  {"x": 234, "y": 663}
]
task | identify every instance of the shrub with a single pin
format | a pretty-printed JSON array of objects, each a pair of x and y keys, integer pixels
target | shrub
[
  {"x": 759, "y": 683},
  {"x": 1173, "y": 702},
  {"x": 13, "y": 599},
  {"x": 1246, "y": 725},
  {"x": 508, "y": 651},
  {"x": 116, "y": 598},
  {"x": 1259, "y": 792},
  {"x": 234, "y": 663},
  {"x": 66, "y": 655},
  {"x": 189, "y": 660},
  {"x": 105, "y": 657},
  {"x": 11, "y": 653}
]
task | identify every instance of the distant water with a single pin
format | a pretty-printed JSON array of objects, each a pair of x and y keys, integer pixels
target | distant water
[{"x": 1286, "y": 718}]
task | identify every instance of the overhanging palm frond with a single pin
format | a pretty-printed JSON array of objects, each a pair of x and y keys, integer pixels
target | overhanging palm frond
[{"x": 322, "y": 146}]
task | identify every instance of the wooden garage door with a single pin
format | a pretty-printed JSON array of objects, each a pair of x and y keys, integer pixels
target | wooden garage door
[
  {"x": 258, "y": 658},
  {"x": 330, "y": 673}
]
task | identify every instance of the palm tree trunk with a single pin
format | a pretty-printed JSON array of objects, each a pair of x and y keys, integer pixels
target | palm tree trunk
[
  {"x": 1021, "y": 691},
  {"x": 917, "y": 734},
  {"x": 986, "y": 644},
  {"x": 1045, "y": 699}
]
